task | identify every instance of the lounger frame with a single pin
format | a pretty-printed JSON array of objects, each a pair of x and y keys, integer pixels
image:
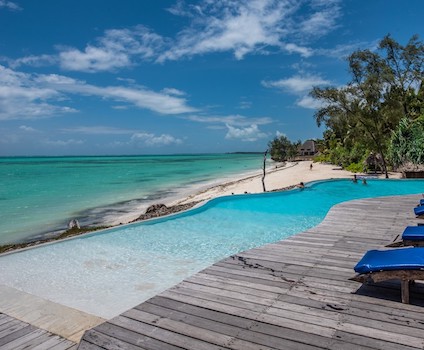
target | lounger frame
[
  {"x": 405, "y": 243},
  {"x": 406, "y": 278}
]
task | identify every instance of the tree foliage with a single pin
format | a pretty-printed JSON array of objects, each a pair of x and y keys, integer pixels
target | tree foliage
[
  {"x": 407, "y": 142},
  {"x": 385, "y": 87},
  {"x": 282, "y": 149}
]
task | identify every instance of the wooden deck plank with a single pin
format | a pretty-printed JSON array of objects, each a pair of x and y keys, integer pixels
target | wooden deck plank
[
  {"x": 17, "y": 335},
  {"x": 27, "y": 341},
  {"x": 228, "y": 325},
  {"x": 292, "y": 294},
  {"x": 167, "y": 334}
]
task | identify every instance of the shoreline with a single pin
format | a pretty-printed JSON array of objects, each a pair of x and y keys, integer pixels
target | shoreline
[{"x": 277, "y": 179}]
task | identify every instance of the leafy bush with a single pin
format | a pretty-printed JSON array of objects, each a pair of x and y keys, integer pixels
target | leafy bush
[
  {"x": 322, "y": 158},
  {"x": 407, "y": 143},
  {"x": 355, "y": 167}
]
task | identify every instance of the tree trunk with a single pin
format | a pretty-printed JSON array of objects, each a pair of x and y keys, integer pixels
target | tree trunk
[
  {"x": 380, "y": 148},
  {"x": 384, "y": 165},
  {"x": 264, "y": 173}
]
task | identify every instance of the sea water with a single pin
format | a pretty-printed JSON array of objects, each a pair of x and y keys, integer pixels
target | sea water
[
  {"x": 106, "y": 273},
  {"x": 41, "y": 194}
]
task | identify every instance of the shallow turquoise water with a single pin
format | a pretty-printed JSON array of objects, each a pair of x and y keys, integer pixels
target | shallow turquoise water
[
  {"x": 106, "y": 273},
  {"x": 41, "y": 194}
]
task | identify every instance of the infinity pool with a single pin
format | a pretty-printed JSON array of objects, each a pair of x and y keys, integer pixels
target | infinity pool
[{"x": 108, "y": 272}]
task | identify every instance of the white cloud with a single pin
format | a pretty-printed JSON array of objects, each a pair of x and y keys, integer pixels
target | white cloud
[
  {"x": 300, "y": 85},
  {"x": 21, "y": 97},
  {"x": 250, "y": 133},
  {"x": 114, "y": 50},
  {"x": 297, "y": 83},
  {"x": 240, "y": 27},
  {"x": 309, "y": 102},
  {"x": 35, "y": 61},
  {"x": 26, "y": 96},
  {"x": 142, "y": 98},
  {"x": 63, "y": 143},
  {"x": 256, "y": 26},
  {"x": 172, "y": 91},
  {"x": 27, "y": 128},
  {"x": 302, "y": 50},
  {"x": 180, "y": 9},
  {"x": 139, "y": 97},
  {"x": 237, "y": 120},
  {"x": 55, "y": 80},
  {"x": 323, "y": 21},
  {"x": 342, "y": 51},
  {"x": 98, "y": 130},
  {"x": 148, "y": 139},
  {"x": 10, "y": 5},
  {"x": 93, "y": 59},
  {"x": 245, "y": 105},
  {"x": 237, "y": 26}
]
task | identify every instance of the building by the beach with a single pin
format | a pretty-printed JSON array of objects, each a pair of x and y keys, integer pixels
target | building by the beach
[{"x": 307, "y": 150}]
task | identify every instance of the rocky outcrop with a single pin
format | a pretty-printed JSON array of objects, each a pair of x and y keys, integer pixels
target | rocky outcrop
[
  {"x": 157, "y": 210},
  {"x": 74, "y": 224}
]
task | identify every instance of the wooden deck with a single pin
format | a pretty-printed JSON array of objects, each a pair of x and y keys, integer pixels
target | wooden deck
[
  {"x": 293, "y": 294},
  {"x": 18, "y": 335}
]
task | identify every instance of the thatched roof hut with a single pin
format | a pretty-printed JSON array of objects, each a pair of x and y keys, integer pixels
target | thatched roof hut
[{"x": 374, "y": 162}]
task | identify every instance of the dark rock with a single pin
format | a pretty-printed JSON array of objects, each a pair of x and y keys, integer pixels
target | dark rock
[
  {"x": 74, "y": 224},
  {"x": 157, "y": 210}
]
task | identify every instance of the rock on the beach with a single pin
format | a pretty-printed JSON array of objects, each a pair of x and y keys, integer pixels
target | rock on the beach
[
  {"x": 156, "y": 208},
  {"x": 73, "y": 223}
]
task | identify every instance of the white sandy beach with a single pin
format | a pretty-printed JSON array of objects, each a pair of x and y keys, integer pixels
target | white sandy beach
[{"x": 291, "y": 174}]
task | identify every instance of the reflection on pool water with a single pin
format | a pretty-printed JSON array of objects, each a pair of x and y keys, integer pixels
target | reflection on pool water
[{"x": 109, "y": 272}]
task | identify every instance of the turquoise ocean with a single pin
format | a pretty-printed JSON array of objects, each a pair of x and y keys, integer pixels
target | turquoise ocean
[{"x": 39, "y": 195}]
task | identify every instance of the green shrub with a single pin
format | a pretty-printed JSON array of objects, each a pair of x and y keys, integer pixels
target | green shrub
[{"x": 355, "y": 167}]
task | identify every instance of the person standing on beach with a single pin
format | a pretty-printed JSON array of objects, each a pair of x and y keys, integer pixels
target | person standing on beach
[{"x": 310, "y": 167}]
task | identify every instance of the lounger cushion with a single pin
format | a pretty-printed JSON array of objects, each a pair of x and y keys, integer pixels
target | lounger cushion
[
  {"x": 413, "y": 233},
  {"x": 389, "y": 260},
  {"x": 419, "y": 210}
]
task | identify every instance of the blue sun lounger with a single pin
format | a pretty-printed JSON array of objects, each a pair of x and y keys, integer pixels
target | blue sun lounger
[
  {"x": 411, "y": 236},
  {"x": 419, "y": 210},
  {"x": 405, "y": 264},
  {"x": 422, "y": 201}
]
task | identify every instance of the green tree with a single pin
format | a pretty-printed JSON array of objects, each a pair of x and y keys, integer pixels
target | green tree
[
  {"x": 403, "y": 72},
  {"x": 380, "y": 92},
  {"x": 407, "y": 142},
  {"x": 282, "y": 149}
]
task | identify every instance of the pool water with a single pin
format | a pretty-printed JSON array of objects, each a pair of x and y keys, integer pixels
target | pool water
[{"x": 108, "y": 272}]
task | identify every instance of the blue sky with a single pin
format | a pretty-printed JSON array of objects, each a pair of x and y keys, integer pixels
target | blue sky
[{"x": 158, "y": 77}]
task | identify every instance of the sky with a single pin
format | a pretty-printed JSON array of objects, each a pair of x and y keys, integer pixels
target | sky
[{"x": 123, "y": 77}]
